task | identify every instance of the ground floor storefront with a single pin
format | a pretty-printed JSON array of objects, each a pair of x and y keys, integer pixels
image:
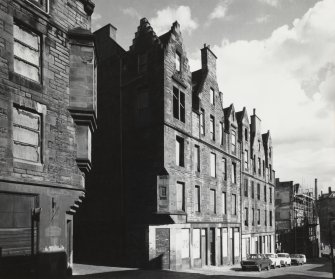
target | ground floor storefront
[
  {"x": 258, "y": 243},
  {"x": 181, "y": 246}
]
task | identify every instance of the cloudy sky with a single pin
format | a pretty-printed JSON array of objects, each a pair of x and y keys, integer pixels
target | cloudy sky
[{"x": 277, "y": 56}]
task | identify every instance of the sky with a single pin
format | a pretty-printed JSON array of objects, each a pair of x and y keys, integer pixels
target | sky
[{"x": 277, "y": 56}]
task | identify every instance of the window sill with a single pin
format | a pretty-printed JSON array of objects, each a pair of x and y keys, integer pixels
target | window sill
[
  {"x": 23, "y": 164},
  {"x": 26, "y": 82}
]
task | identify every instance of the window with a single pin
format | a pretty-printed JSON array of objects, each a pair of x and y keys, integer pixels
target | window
[
  {"x": 212, "y": 127},
  {"x": 258, "y": 191},
  {"x": 224, "y": 203},
  {"x": 142, "y": 61},
  {"x": 259, "y": 216},
  {"x": 180, "y": 196},
  {"x": 211, "y": 96},
  {"x": 221, "y": 133},
  {"x": 265, "y": 217},
  {"x": 221, "y": 98},
  {"x": 162, "y": 192},
  {"x": 27, "y": 53},
  {"x": 254, "y": 163},
  {"x": 202, "y": 121},
  {"x": 233, "y": 173},
  {"x": 212, "y": 201},
  {"x": 246, "y": 216},
  {"x": 252, "y": 189},
  {"x": 259, "y": 166},
  {"x": 246, "y": 134},
  {"x": 179, "y": 151},
  {"x": 246, "y": 187},
  {"x": 253, "y": 216},
  {"x": 233, "y": 196},
  {"x": 42, "y": 4},
  {"x": 224, "y": 162},
  {"x": 263, "y": 168},
  {"x": 196, "y": 243},
  {"x": 270, "y": 152},
  {"x": 213, "y": 164},
  {"x": 265, "y": 193},
  {"x": 197, "y": 158},
  {"x": 178, "y": 62},
  {"x": 246, "y": 160},
  {"x": 27, "y": 135},
  {"x": 270, "y": 170},
  {"x": 233, "y": 141},
  {"x": 259, "y": 145},
  {"x": 178, "y": 104},
  {"x": 270, "y": 189},
  {"x": 197, "y": 198}
]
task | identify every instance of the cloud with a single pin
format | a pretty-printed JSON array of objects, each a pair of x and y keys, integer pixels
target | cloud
[
  {"x": 290, "y": 78},
  {"x": 130, "y": 11},
  {"x": 262, "y": 19},
  {"x": 95, "y": 19},
  {"x": 162, "y": 21},
  {"x": 220, "y": 11},
  {"x": 273, "y": 3}
]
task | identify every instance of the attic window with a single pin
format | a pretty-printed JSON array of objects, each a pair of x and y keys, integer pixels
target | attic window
[
  {"x": 178, "y": 62},
  {"x": 211, "y": 96}
]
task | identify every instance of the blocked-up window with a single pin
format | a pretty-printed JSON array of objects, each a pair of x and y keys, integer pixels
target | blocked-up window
[
  {"x": 179, "y": 151},
  {"x": 197, "y": 158},
  {"x": 197, "y": 199},
  {"x": 27, "y": 53},
  {"x": 202, "y": 121},
  {"x": 224, "y": 162},
  {"x": 178, "y": 62},
  {"x": 26, "y": 135},
  {"x": 221, "y": 133},
  {"x": 246, "y": 216},
  {"x": 233, "y": 141},
  {"x": 224, "y": 203},
  {"x": 178, "y": 104},
  {"x": 185, "y": 243},
  {"x": 180, "y": 196},
  {"x": 212, "y": 201},
  {"x": 213, "y": 164},
  {"x": 211, "y": 96},
  {"x": 212, "y": 127},
  {"x": 246, "y": 159},
  {"x": 234, "y": 205}
]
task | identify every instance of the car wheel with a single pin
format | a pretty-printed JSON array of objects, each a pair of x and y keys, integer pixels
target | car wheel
[
  {"x": 269, "y": 267},
  {"x": 274, "y": 266},
  {"x": 259, "y": 268},
  {"x": 244, "y": 268}
]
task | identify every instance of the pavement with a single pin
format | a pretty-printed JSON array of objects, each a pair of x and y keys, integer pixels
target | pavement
[{"x": 319, "y": 268}]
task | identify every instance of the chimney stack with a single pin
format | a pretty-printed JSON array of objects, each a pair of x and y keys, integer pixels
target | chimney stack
[
  {"x": 316, "y": 188},
  {"x": 208, "y": 59},
  {"x": 329, "y": 190}
]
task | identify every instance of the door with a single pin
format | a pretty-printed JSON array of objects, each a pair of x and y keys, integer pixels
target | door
[
  {"x": 212, "y": 246},
  {"x": 204, "y": 247},
  {"x": 18, "y": 224}
]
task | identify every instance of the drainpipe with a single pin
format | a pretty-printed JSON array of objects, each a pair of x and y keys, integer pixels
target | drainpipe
[{"x": 241, "y": 186}]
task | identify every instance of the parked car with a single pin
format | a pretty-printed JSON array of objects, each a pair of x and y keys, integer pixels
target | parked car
[
  {"x": 258, "y": 261},
  {"x": 303, "y": 258},
  {"x": 297, "y": 259},
  {"x": 275, "y": 261},
  {"x": 285, "y": 259}
]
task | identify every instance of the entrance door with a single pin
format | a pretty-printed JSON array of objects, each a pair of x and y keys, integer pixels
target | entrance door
[
  {"x": 212, "y": 246},
  {"x": 204, "y": 247}
]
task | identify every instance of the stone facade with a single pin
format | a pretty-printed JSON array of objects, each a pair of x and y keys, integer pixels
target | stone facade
[
  {"x": 47, "y": 116},
  {"x": 257, "y": 186},
  {"x": 172, "y": 197}
]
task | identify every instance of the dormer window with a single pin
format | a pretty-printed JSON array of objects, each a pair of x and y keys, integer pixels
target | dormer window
[
  {"x": 178, "y": 62},
  {"x": 211, "y": 96}
]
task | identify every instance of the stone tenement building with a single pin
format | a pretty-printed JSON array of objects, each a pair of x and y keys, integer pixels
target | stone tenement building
[
  {"x": 297, "y": 223},
  {"x": 171, "y": 196},
  {"x": 47, "y": 116},
  {"x": 257, "y": 186}
]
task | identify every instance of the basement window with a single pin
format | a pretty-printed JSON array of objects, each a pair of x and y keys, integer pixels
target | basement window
[{"x": 27, "y": 53}]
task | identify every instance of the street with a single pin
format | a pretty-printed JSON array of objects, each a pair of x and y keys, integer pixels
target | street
[{"x": 320, "y": 268}]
